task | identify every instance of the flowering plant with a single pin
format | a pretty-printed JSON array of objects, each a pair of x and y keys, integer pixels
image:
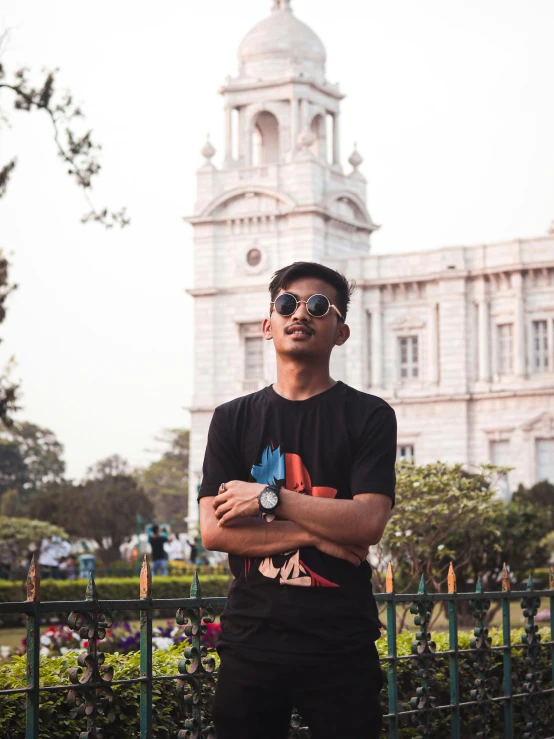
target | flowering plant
[{"x": 121, "y": 638}]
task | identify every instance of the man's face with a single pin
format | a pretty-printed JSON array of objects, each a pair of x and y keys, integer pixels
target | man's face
[{"x": 301, "y": 334}]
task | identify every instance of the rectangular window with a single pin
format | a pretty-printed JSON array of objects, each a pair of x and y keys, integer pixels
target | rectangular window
[
  {"x": 545, "y": 459},
  {"x": 253, "y": 358},
  {"x": 405, "y": 452},
  {"x": 500, "y": 456},
  {"x": 408, "y": 358},
  {"x": 505, "y": 349},
  {"x": 540, "y": 346}
]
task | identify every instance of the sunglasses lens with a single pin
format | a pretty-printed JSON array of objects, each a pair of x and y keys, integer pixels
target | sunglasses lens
[
  {"x": 285, "y": 304},
  {"x": 318, "y": 305}
]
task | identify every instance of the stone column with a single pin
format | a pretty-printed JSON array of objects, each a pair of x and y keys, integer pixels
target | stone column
[
  {"x": 433, "y": 364},
  {"x": 550, "y": 329},
  {"x": 520, "y": 350},
  {"x": 336, "y": 139},
  {"x": 228, "y": 134},
  {"x": 293, "y": 124},
  {"x": 377, "y": 342},
  {"x": 484, "y": 340}
]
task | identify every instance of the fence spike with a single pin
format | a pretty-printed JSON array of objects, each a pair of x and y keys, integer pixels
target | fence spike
[
  {"x": 389, "y": 582},
  {"x": 145, "y": 579},
  {"x": 530, "y": 581},
  {"x": 452, "y": 585},
  {"x": 421, "y": 589},
  {"x": 195, "y": 586},
  {"x": 33, "y": 581},
  {"x": 506, "y": 586},
  {"x": 91, "y": 593},
  {"x": 479, "y": 586},
  {"x": 551, "y": 578}
]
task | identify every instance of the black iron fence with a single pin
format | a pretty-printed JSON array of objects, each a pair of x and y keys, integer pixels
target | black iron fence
[{"x": 485, "y": 697}]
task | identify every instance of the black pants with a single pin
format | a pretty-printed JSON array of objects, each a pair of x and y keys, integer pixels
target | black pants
[{"x": 337, "y": 700}]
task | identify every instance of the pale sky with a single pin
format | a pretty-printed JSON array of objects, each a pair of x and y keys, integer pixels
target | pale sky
[{"x": 451, "y": 105}]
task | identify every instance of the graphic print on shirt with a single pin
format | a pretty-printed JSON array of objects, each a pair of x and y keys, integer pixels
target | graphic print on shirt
[{"x": 288, "y": 470}]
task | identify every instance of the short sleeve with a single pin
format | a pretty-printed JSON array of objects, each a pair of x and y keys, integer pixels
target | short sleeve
[
  {"x": 373, "y": 468},
  {"x": 222, "y": 460}
]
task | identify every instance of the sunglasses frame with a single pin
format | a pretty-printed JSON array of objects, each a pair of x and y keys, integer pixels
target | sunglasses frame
[{"x": 330, "y": 305}]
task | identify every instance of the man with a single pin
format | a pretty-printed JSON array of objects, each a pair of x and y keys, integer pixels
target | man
[
  {"x": 159, "y": 554},
  {"x": 298, "y": 483}
]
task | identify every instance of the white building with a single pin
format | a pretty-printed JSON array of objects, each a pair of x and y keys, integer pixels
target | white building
[{"x": 459, "y": 340}]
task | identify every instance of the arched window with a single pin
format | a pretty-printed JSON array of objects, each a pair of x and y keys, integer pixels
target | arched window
[
  {"x": 265, "y": 139},
  {"x": 319, "y": 147}
]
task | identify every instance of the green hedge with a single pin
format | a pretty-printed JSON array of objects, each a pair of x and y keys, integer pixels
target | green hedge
[
  {"x": 117, "y": 588},
  {"x": 169, "y": 708}
]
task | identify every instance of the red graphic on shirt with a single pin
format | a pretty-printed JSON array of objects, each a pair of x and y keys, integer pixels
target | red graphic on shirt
[
  {"x": 298, "y": 479},
  {"x": 294, "y": 571}
]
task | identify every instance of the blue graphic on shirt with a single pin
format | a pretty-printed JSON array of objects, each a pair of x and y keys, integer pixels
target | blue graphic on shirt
[{"x": 272, "y": 467}]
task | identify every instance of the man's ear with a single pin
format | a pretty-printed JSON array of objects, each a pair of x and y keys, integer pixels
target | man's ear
[
  {"x": 342, "y": 334},
  {"x": 266, "y": 329}
]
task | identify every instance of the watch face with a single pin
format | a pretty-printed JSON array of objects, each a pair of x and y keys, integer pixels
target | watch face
[{"x": 269, "y": 499}]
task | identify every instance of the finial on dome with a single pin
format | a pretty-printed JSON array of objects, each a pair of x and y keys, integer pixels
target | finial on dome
[
  {"x": 207, "y": 150},
  {"x": 281, "y": 5},
  {"x": 355, "y": 159}
]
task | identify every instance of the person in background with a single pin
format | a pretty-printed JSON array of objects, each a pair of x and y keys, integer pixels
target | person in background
[
  {"x": 175, "y": 549},
  {"x": 159, "y": 556}
]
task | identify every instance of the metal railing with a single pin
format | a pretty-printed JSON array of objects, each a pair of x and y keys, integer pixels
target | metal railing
[{"x": 90, "y": 691}]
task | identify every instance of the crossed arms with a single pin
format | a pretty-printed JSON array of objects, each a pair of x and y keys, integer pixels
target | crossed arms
[{"x": 341, "y": 528}]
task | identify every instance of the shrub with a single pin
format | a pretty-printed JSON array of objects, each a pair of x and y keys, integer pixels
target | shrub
[
  {"x": 169, "y": 713},
  {"x": 111, "y": 589},
  {"x": 117, "y": 588}
]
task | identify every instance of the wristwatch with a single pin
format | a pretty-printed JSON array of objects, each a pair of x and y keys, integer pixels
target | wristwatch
[{"x": 268, "y": 500}]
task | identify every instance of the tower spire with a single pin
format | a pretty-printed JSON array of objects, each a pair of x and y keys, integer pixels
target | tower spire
[{"x": 281, "y": 5}]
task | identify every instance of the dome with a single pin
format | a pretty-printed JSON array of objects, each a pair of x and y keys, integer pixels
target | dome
[{"x": 282, "y": 45}]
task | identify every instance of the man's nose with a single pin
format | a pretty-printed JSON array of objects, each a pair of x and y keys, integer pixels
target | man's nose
[{"x": 301, "y": 312}]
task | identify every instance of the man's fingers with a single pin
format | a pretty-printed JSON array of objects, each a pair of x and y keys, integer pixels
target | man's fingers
[{"x": 220, "y": 499}]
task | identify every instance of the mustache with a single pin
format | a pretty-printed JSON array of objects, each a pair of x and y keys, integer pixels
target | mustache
[{"x": 290, "y": 329}]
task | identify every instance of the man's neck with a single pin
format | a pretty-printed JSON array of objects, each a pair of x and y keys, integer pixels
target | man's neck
[{"x": 301, "y": 381}]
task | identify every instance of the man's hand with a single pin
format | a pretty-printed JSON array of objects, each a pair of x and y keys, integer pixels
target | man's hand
[
  {"x": 351, "y": 552},
  {"x": 238, "y": 500}
]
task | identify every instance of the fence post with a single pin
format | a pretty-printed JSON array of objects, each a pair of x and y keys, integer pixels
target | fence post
[
  {"x": 146, "y": 650},
  {"x": 454, "y": 656},
  {"x": 530, "y": 605},
  {"x": 507, "y": 656},
  {"x": 392, "y": 654},
  {"x": 33, "y": 652}
]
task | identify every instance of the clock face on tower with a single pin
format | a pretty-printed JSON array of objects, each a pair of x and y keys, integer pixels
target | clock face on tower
[{"x": 254, "y": 257}]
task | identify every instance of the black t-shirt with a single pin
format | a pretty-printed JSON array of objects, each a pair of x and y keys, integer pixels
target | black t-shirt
[
  {"x": 304, "y": 605},
  {"x": 157, "y": 544}
]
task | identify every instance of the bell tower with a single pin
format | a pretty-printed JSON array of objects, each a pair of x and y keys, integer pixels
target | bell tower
[{"x": 279, "y": 196}]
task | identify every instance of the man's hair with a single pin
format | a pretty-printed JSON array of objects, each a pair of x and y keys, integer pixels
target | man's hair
[
  {"x": 295, "y": 271},
  {"x": 155, "y": 528}
]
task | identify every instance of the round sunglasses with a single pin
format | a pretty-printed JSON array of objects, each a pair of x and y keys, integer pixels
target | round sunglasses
[{"x": 317, "y": 305}]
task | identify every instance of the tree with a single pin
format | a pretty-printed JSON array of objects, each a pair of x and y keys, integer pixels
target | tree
[
  {"x": 14, "y": 474},
  {"x": 42, "y": 454},
  {"x": 541, "y": 493},
  {"x": 74, "y": 144},
  {"x": 19, "y": 536},
  {"x": 8, "y": 389},
  {"x": 109, "y": 467},
  {"x": 102, "y": 509},
  {"x": 166, "y": 480},
  {"x": 443, "y": 515}
]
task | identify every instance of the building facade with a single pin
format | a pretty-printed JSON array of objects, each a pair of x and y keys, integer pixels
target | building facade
[{"x": 460, "y": 341}]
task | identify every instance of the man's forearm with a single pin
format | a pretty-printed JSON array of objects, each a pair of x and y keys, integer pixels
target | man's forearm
[
  {"x": 341, "y": 521},
  {"x": 254, "y": 537}
]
